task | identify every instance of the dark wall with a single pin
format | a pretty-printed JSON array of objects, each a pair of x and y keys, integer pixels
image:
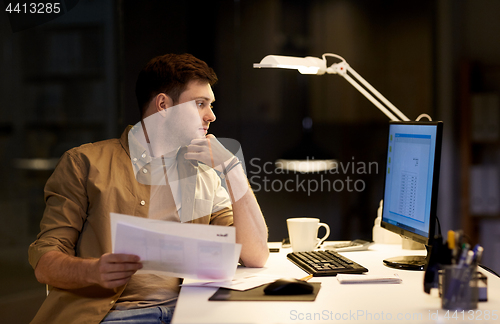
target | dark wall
[{"x": 152, "y": 28}]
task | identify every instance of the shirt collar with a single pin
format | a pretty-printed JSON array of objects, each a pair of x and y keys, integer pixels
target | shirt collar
[{"x": 132, "y": 140}]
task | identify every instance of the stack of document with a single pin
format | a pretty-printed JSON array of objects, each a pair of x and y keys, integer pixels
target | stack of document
[
  {"x": 366, "y": 278},
  {"x": 194, "y": 251}
]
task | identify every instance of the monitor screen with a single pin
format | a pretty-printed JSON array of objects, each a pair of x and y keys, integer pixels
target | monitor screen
[{"x": 411, "y": 179}]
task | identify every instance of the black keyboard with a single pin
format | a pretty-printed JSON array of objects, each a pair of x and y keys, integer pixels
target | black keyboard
[{"x": 324, "y": 263}]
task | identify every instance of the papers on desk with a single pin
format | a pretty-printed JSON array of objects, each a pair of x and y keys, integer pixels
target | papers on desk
[
  {"x": 241, "y": 282},
  {"x": 367, "y": 279},
  {"x": 177, "y": 249}
]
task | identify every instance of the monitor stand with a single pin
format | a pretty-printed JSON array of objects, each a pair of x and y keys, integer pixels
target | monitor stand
[{"x": 409, "y": 262}]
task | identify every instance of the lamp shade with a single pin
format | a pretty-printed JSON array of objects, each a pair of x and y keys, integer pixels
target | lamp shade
[{"x": 305, "y": 65}]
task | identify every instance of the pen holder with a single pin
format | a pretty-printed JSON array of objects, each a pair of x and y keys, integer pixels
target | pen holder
[{"x": 459, "y": 287}]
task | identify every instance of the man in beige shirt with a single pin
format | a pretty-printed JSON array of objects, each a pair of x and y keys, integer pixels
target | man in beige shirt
[{"x": 72, "y": 253}]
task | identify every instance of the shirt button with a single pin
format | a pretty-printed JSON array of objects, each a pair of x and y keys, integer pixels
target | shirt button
[
  {"x": 143, "y": 155},
  {"x": 143, "y": 202},
  {"x": 144, "y": 171},
  {"x": 134, "y": 159}
]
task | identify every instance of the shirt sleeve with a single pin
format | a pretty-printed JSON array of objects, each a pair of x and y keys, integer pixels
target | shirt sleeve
[
  {"x": 65, "y": 210},
  {"x": 222, "y": 211}
]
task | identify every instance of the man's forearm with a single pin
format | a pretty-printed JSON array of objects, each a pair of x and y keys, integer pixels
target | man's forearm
[
  {"x": 67, "y": 272},
  {"x": 251, "y": 229},
  {"x": 109, "y": 271},
  {"x": 63, "y": 271}
]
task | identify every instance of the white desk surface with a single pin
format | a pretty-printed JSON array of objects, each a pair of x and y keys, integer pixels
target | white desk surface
[{"x": 355, "y": 303}]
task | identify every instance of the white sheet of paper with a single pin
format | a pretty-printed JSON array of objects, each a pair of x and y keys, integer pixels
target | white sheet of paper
[
  {"x": 244, "y": 282},
  {"x": 179, "y": 255},
  {"x": 199, "y": 231}
]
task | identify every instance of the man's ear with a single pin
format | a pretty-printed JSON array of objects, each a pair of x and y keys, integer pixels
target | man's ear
[{"x": 162, "y": 103}]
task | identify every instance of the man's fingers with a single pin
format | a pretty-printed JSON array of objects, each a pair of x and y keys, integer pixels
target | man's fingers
[
  {"x": 119, "y": 257},
  {"x": 193, "y": 156},
  {"x": 114, "y": 270},
  {"x": 119, "y": 263},
  {"x": 120, "y": 267},
  {"x": 196, "y": 148}
]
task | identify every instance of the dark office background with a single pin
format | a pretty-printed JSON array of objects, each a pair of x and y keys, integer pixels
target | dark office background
[{"x": 71, "y": 81}]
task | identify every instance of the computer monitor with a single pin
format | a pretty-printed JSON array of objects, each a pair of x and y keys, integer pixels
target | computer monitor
[{"x": 411, "y": 185}]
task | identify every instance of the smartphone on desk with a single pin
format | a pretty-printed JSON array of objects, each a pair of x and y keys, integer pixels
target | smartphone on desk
[{"x": 348, "y": 246}]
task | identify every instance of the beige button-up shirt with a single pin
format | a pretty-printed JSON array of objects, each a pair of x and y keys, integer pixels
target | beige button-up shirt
[{"x": 89, "y": 183}]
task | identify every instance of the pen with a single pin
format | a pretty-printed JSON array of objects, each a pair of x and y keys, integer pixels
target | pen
[
  {"x": 475, "y": 250},
  {"x": 478, "y": 254},
  {"x": 452, "y": 246},
  {"x": 451, "y": 240},
  {"x": 468, "y": 259},
  {"x": 463, "y": 256},
  {"x": 306, "y": 277}
]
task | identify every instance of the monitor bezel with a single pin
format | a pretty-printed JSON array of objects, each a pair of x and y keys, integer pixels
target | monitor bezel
[{"x": 435, "y": 185}]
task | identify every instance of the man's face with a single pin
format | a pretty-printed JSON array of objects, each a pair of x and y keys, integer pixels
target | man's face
[
  {"x": 189, "y": 118},
  {"x": 201, "y": 93}
]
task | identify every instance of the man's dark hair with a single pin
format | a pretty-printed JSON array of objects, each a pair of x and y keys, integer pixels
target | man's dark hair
[{"x": 170, "y": 74}]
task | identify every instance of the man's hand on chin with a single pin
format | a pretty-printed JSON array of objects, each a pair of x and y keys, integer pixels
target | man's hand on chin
[{"x": 209, "y": 151}]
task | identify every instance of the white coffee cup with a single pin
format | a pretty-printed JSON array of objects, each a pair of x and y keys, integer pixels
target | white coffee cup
[{"x": 303, "y": 233}]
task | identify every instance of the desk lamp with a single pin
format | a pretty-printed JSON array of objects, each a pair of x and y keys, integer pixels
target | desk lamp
[{"x": 314, "y": 65}]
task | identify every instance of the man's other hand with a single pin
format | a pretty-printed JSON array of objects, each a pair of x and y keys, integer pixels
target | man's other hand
[
  {"x": 209, "y": 151},
  {"x": 114, "y": 270}
]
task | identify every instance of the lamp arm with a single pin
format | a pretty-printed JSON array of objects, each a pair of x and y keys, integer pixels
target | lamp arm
[
  {"x": 378, "y": 94},
  {"x": 370, "y": 97},
  {"x": 343, "y": 67}
]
